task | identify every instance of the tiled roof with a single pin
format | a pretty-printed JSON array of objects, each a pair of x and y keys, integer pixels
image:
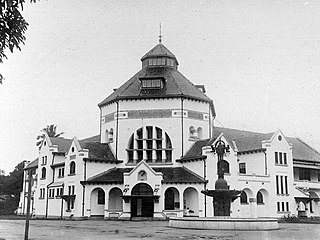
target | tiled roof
[
  {"x": 196, "y": 148},
  {"x": 245, "y": 140},
  {"x": 302, "y": 151},
  {"x": 33, "y": 164},
  {"x": 177, "y": 85},
  {"x": 95, "y": 138},
  {"x": 98, "y": 150},
  {"x": 179, "y": 175},
  {"x": 248, "y": 141},
  {"x": 170, "y": 175},
  {"x": 113, "y": 175},
  {"x": 62, "y": 143},
  {"x": 159, "y": 51}
]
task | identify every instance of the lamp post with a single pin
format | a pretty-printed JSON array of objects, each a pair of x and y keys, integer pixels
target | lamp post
[{"x": 26, "y": 233}]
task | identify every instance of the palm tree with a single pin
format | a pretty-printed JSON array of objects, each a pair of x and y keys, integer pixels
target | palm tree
[{"x": 51, "y": 130}]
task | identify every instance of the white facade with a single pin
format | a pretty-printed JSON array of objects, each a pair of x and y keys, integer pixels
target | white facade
[{"x": 153, "y": 157}]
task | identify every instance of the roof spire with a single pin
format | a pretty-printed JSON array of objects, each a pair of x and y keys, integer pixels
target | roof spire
[{"x": 160, "y": 36}]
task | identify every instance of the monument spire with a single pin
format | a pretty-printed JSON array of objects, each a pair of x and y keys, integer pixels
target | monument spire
[{"x": 160, "y": 36}]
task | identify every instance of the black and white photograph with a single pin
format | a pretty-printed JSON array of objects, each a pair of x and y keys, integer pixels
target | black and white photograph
[{"x": 159, "y": 119}]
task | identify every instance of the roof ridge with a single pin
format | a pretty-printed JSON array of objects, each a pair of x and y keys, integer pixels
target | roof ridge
[{"x": 240, "y": 130}]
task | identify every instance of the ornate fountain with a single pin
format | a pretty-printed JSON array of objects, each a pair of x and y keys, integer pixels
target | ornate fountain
[
  {"x": 222, "y": 199},
  {"x": 222, "y": 196}
]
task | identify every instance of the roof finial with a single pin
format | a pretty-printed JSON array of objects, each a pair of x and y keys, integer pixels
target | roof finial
[{"x": 160, "y": 36}]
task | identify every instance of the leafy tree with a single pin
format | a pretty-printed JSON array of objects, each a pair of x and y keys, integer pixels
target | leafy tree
[
  {"x": 12, "y": 26},
  {"x": 10, "y": 188},
  {"x": 51, "y": 130}
]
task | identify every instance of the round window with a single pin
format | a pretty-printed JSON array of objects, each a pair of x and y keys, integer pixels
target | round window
[{"x": 279, "y": 138}]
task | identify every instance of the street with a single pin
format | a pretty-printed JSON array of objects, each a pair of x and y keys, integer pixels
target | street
[{"x": 99, "y": 229}]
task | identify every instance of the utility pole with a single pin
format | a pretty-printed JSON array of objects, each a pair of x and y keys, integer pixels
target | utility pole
[{"x": 26, "y": 233}]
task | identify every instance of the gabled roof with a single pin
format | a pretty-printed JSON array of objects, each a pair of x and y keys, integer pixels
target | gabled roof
[
  {"x": 62, "y": 143},
  {"x": 170, "y": 175},
  {"x": 245, "y": 140},
  {"x": 159, "y": 51},
  {"x": 250, "y": 141},
  {"x": 33, "y": 164}
]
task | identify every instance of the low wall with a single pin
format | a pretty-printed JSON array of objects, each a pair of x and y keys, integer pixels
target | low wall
[{"x": 225, "y": 223}]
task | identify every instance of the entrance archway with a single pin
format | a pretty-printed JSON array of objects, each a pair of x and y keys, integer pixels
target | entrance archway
[
  {"x": 171, "y": 199},
  {"x": 97, "y": 202},
  {"x": 191, "y": 201},
  {"x": 142, "y": 201}
]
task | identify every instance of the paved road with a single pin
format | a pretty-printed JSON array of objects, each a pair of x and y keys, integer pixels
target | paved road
[{"x": 80, "y": 230}]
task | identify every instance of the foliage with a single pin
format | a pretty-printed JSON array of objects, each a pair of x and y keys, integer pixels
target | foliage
[
  {"x": 10, "y": 188},
  {"x": 12, "y": 27},
  {"x": 51, "y": 130}
]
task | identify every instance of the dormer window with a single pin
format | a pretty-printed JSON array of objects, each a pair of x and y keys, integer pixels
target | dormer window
[{"x": 152, "y": 83}]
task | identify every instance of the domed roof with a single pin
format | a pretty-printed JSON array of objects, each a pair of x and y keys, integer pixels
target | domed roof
[{"x": 159, "y": 51}]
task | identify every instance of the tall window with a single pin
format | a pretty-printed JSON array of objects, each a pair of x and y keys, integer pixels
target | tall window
[
  {"x": 43, "y": 173},
  {"x": 243, "y": 198},
  {"x": 285, "y": 159},
  {"x": 286, "y": 184},
  {"x": 276, "y": 157},
  {"x": 61, "y": 172},
  {"x": 259, "y": 198},
  {"x": 110, "y": 138},
  {"x": 151, "y": 144},
  {"x": 72, "y": 167},
  {"x": 101, "y": 196},
  {"x": 277, "y": 184}
]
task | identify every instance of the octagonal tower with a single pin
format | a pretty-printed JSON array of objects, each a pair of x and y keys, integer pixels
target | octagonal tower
[{"x": 157, "y": 114}]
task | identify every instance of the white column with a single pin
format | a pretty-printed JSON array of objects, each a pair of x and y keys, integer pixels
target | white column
[{"x": 135, "y": 145}]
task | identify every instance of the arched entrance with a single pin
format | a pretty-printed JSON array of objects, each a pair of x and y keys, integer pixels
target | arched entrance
[
  {"x": 191, "y": 202},
  {"x": 142, "y": 201},
  {"x": 171, "y": 199},
  {"x": 97, "y": 202},
  {"x": 115, "y": 199}
]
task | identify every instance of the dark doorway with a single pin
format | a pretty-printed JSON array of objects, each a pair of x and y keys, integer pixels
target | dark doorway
[
  {"x": 169, "y": 199},
  {"x": 142, "y": 204}
]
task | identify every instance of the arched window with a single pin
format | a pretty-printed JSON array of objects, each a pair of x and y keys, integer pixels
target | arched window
[
  {"x": 101, "y": 196},
  {"x": 259, "y": 198},
  {"x": 192, "y": 132},
  {"x": 106, "y": 136},
  {"x": 43, "y": 173},
  {"x": 225, "y": 166},
  {"x": 72, "y": 167},
  {"x": 199, "y": 133},
  {"x": 110, "y": 135},
  {"x": 243, "y": 198},
  {"x": 151, "y": 144}
]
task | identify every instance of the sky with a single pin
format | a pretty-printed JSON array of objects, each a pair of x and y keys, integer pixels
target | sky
[{"x": 259, "y": 61}]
